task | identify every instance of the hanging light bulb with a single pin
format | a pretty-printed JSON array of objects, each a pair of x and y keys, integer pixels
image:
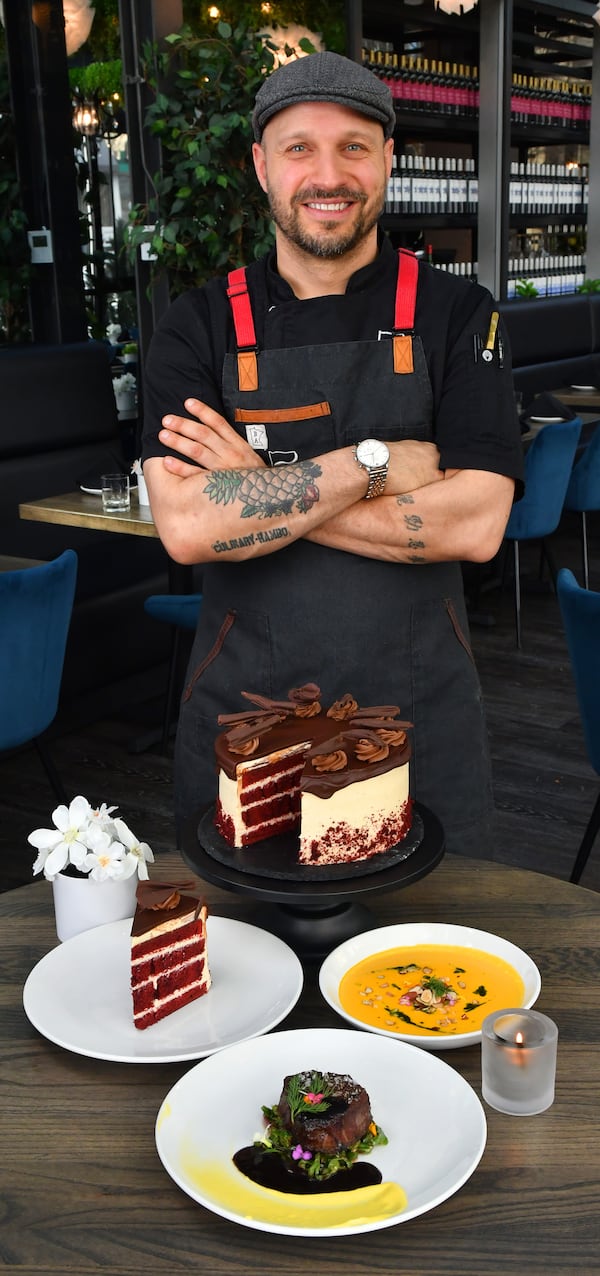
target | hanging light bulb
[{"x": 455, "y": 6}]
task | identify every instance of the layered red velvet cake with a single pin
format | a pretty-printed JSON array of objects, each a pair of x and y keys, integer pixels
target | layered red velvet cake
[
  {"x": 169, "y": 965},
  {"x": 339, "y": 778}
]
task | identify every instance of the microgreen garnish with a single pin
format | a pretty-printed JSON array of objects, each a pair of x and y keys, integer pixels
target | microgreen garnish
[
  {"x": 302, "y": 1099},
  {"x": 480, "y": 992},
  {"x": 437, "y": 986}
]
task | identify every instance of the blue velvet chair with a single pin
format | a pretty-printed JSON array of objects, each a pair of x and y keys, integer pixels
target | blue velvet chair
[
  {"x": 548, "y": 465},
  {"x": 181, "y": 611},
  {"x": 35, "y": 611},
  {"x": 583, "y": 492},
  {"x": 580, "y": 609}
]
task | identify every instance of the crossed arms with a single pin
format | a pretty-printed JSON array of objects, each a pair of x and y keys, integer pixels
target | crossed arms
[{"x": 233, "y": 507}]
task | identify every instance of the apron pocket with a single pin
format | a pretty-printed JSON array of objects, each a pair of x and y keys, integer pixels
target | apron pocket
[{"x": 286, "y": 435}]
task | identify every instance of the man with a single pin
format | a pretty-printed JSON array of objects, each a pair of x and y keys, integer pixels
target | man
[{"x": 328, "y": 558}]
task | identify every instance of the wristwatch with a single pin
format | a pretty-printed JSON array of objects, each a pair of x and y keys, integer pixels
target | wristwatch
[{"x": 374, "y": 457}]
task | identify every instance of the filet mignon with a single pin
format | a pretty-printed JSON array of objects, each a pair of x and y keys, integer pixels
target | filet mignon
[{"x": 346, "y": 1119}]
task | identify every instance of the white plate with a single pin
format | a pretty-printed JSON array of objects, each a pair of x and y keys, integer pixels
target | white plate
[
  {"x": 371, "y": 942},
  {"x": 79, "y": 995},
  {"x": 546, "y": 420},
  {"x": 433, "y": 1120},
  {"x": 97, "y": 491},
  {"x": 585, "y": 387}
]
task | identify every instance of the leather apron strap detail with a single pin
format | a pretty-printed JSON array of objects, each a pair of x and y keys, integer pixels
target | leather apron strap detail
[
  {"x": 243, "y": 322},
  {"x": 211, "y": 655},
  {"x": 247, "y": 370},
  {"x": 260, "y": 416},
  {"x": 403, "y": 352},
  {"x": 404, "y": 312}
]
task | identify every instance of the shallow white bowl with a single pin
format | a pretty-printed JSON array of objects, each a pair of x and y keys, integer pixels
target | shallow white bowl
[{"x": 341, "y": 960}]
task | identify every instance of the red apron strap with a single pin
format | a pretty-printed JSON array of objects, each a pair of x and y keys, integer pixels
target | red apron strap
[
  {"x": 404, "y": 314},
  {"x": 239, "y": 299}
]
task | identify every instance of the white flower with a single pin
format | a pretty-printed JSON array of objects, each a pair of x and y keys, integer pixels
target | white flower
[
  {"x": 125, "y": 382},
  {"x": 138, "y": 853},
  {"x": 101, "y": 815},
  {"x": 92, "y": 842},
  {"x": 66, "y": 846},
  {"x": 113, "y": 332},
  {"x": 104, "y": 859}
]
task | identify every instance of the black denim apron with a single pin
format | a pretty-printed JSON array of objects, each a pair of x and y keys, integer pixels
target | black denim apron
[{"x": 388, "y": 633}]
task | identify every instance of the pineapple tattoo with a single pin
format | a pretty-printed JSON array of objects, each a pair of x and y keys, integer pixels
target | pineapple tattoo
[{"x": 266, "y": 493}]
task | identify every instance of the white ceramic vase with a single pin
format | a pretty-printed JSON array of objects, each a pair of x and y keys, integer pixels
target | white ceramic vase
[
  {"x": 81, "y": 902},
  {"x": 126, "y": 400}
]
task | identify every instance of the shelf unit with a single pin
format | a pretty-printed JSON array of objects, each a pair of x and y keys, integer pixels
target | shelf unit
[{"x": 536, "y": 58}]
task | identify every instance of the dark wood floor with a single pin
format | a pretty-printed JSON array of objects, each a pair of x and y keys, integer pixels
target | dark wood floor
[{"x": 544, "y": 785}]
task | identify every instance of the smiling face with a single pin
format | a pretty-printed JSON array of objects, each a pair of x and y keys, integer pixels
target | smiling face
[{"x": 324, "y": 169}]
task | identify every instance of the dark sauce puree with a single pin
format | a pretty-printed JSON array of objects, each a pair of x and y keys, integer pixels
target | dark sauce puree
[{"x": 269, "y": 1170}]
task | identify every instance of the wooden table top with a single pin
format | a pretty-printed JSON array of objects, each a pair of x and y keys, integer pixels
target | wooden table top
[
  {"x": 83, "y": 1188},
  {"x": 78, "y": 509},
  {"x": 585, "y": 399}
]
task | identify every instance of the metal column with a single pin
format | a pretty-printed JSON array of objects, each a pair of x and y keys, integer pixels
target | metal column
[
  {"x": 592, "y": 256},
  {"x": 495, "y": 80}
]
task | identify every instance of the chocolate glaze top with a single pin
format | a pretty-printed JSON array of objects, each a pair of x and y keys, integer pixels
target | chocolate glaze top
[
  {"x": 164, "y": 901},
  {"x": 350, "y": 739}
]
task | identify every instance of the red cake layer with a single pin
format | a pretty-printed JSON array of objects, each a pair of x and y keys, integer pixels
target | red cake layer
[{"x": 169, "y": 966}]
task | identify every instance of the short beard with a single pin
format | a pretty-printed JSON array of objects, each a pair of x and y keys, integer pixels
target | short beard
[{"x": 288, "y": 222}]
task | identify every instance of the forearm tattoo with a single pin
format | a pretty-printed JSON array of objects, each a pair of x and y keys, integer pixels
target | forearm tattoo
[
  {"x": 413, "y": 523},
  {"x": 266, "y": 493}
]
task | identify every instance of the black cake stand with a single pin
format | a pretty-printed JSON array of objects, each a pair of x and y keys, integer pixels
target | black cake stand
[{"x": 312, "y": 913}]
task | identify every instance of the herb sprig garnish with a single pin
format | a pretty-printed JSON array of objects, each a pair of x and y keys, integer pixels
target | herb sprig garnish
[{"x": 307, "y": 1093}]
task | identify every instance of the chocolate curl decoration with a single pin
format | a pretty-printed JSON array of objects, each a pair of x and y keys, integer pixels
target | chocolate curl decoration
[
  {"x": 283, "y": 707},
  {"x": 375, "y": 724},
  {"x": 249, "y": 715},
  {"x": 255, "y": 725},
  {"x": 386, "y": 711},
  {"x": 156, "y": 896},
  {"x": 304, "y": 695}
]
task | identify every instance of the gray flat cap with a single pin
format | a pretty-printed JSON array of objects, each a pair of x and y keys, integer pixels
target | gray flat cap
[{"x": 324, "y": 77}]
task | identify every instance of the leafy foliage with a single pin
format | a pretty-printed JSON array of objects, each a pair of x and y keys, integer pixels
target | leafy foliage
[
  {"x": 15, "y": 266},
  {"x": 525, "y": 288},
  {"x": 589, "y": 285},
  {"x": 208, "y": 211}
]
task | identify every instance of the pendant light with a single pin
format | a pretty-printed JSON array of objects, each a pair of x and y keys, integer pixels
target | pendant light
[{"x": 455, "y": 6}]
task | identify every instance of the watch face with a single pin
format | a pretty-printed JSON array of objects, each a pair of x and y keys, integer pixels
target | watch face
[{"x": 372, "y": 452}]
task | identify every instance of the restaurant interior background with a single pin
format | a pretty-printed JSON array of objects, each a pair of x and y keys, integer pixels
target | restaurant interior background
[{"x": 90, "y": 163}]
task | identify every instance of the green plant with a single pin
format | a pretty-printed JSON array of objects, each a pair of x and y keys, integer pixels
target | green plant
[
  {"x": 525, "y": 288},
  {"x": 16, "y": 270},
  {"x": 589, "y": 285},
  {"x": 208, "y": 211},
  {"x": 130, "y": 347}
]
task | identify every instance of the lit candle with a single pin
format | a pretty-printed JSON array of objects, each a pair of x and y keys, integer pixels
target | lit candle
[{"x": 518, "y": 1061}]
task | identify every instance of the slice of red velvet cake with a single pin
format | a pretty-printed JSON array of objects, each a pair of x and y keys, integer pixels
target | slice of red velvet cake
[
  {"x": 169, "y": 964},
  {"x": 339, "y": 779}
]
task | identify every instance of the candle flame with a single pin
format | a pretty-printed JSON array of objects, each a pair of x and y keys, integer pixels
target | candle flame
[{"x": 519, "y": 1039}]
